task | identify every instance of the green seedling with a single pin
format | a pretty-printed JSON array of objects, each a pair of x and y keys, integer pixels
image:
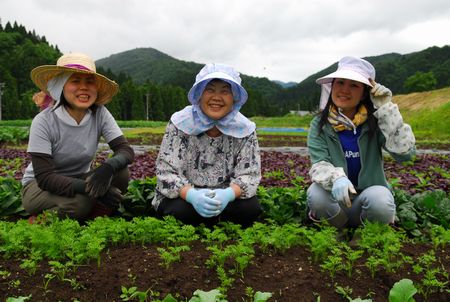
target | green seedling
[
  {"x": 4, "y": 274},
  {"x": 132, "y": 293},
  {"x": 47, "y": 279},
  {"x": 210, "y": 296},
  {"x": 346, "y": 293},
  {"x": 59, "y": 269},
  {"x": 30, "y": 265},
  {"x": 19, "y": 299},
  {"x": 74, "y": 283},
  {"x": 172, "y": 254},
  {"x": 402, "y": 291}
]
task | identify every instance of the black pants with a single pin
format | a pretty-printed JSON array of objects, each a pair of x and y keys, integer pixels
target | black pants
[{"x": 240, "y": 211}]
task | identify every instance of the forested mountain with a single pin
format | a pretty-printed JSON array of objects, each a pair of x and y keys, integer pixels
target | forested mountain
[
  {"x": 419, "y": 71},
  {"x": 21, "y": 51},
  {"x": 154, "y": 85},
  {"x": 150, "y": 65},
  {"x": 430, "y": 67}
]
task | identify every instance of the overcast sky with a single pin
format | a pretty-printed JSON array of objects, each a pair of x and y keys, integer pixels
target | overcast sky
[{"x": 285, "y": 40}]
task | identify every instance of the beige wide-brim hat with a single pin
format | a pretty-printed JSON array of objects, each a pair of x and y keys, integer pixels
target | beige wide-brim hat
[{"x": 75, "y": 63}]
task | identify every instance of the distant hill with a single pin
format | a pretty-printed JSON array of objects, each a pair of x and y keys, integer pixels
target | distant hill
[
  {"x": 392, "y": 70},
  {"x": 286, "y": 84},
  {"x": 148, "y": 64},
  {"x": 154, "y": 85}
]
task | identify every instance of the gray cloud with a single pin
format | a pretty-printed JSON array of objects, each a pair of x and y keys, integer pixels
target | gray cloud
[{"x": 286, "y": 39}]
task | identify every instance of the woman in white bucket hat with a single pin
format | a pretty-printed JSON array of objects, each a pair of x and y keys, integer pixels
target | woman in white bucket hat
[
  {"x": 208, "y": 167},
  {"x": 64, "y": 140},
  {"x": 345, "y": 142}
]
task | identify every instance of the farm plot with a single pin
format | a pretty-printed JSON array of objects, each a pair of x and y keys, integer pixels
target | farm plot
[{"x": 131, "y": 258}]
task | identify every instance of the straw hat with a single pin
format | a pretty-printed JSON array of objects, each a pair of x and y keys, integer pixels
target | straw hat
[{"x": 76, "y": 63}]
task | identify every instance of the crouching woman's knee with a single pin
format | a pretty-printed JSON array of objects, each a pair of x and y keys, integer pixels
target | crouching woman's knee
[
  {"x": 379, "y": 205},
  {"x": 78, "y": 207}
]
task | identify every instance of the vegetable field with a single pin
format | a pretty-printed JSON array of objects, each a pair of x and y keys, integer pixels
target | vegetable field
[{"x": 283, "y": 257}]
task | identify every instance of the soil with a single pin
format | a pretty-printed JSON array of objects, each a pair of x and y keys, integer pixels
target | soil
[{"x": 288, "y": 275}]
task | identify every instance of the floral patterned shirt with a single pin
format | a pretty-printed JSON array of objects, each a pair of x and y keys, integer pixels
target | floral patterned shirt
[{"x": 206, "y": 162}]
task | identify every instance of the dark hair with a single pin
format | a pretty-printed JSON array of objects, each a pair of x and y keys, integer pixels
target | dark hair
[
  {"x": 65, "y": 103},
  {"x": 366, "y": 101}
]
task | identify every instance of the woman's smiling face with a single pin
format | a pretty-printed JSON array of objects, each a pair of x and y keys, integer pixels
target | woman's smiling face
[
  {"x": 80, "y": 91},
  {"x": 217, "y": 99},
  {"x": 346, "y": 94}
]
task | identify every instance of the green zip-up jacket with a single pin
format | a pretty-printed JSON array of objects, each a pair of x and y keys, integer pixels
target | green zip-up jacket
[{"x": 328, "y": 160}]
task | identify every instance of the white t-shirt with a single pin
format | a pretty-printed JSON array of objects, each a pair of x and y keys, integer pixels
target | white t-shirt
[{"x": 73, "y": 146}]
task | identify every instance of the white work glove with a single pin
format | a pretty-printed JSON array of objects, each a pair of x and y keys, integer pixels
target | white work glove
[
  {"x": 341, "y": 187},
  {"x": 379, "y": 94}
]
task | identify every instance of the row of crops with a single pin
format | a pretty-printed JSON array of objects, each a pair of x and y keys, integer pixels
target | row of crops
[{"x": 136, "y": 257}]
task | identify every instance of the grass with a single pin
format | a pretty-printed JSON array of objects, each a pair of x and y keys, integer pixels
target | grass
[
  {"x": 137, "y": 132},
  {"x": 259, "y": 132},
  {"x": 289, "y": 120},
  {"x": 427, "y": 112},
  {"x": 429, "y": 124}
]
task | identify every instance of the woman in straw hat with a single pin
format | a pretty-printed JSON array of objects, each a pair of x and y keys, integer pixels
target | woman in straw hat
[
  {"x": 208, "y": 167},
  {"x": 357, "y": 120},
  {"x": 64, "y": 140}
]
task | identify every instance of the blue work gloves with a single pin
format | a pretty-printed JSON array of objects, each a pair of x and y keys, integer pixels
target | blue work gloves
[
  {"x": 205, "y": 205},
  {"x": 341, "y": 187},
  {"x": 224, "y": 196}
]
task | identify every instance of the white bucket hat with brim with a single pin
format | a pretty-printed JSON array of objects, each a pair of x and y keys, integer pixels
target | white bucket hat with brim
[
  {"x": 350, "y": 68},
  {"x": 75, "y": 63},
  {"x": 222, "y": 72}
]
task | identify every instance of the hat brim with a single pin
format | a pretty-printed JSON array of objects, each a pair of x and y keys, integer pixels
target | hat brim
[
  {"x": 220, "y": 76},
  {"x": 106, "y": 88},
  {"x": 344, "y": 74}
]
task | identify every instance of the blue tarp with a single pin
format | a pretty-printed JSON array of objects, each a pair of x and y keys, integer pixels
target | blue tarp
[{"x": 282, "y": 129}]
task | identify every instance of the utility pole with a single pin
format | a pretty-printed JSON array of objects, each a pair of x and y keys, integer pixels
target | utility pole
[
  {"x": 147, "y": 95},
  {"x": 1, "y": 93}
]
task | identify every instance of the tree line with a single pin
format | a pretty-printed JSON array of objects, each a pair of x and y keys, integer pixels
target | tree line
[
  {"x": 22, "y": 50},
  {"x": 157, "y": 96}
]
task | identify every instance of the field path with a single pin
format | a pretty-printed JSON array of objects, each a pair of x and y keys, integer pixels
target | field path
[{"x": 139, "y": 149}]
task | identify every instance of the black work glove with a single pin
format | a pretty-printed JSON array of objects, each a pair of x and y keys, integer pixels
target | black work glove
[
  {"x": 97, "y": 184},
  {"x": 112, "y": 198}
]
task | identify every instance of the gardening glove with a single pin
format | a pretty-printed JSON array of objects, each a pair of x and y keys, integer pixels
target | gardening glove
[
  {"x": 341, "y": 187},
  {"x": 379, "y": 94},
  {"x": 97, "y": 184},
  {"x": 224, "y": 196},
  {"x": 112, "y": 198},
  {"x": 204, "y": 205}
]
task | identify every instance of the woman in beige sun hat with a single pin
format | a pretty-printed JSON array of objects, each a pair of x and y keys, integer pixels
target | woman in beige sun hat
[
  {"x": 345, "y": 141},
  {"x": 64, "y": 140}
]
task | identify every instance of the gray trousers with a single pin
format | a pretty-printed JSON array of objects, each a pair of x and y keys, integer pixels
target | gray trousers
[
  {"x": 375, "y": 204},
  {"x": 35, "y": 200}
]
